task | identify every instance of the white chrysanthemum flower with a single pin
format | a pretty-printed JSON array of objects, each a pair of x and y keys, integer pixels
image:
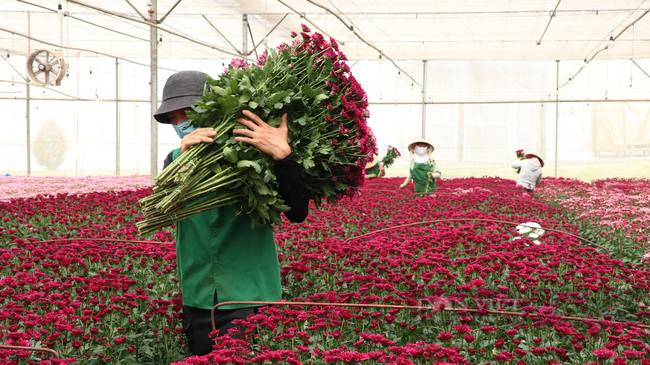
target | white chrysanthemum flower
[
  {"x": 523, "y": 229},
  {"x": 531, "y": 230}
]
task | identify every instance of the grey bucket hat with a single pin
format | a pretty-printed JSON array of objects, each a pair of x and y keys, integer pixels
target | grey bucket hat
[{"x": 181, "y": 90}]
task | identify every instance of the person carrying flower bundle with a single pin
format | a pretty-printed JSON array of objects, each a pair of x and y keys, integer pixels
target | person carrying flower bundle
[
  {"x": 373, "y": 168},
  {"x": 530, "y": 171},
  {"x": 423, "y": 170},
  {"x": 328, "y": 134},
  {"x": 219, "y": 258}
]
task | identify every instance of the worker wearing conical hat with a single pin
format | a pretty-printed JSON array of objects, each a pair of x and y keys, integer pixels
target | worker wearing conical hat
[
  {"x": 530, "y": 171},
  {"x": 373, "y": 168},
  {"x": 423, "y": 170}
]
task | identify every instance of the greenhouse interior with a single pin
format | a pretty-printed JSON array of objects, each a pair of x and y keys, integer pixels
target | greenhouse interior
[{"x": 361, "y": 181}]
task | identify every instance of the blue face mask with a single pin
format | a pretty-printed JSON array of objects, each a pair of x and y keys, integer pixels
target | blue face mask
[{"x": 183, "y": 129}]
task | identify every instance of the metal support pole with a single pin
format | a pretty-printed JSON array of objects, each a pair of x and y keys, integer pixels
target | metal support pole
[
  {"x": 117, "y": 117},
  {"x": 460, "y": 132},
  {"x": 153, "y": 43},
  {"x": 557, "y": 108},
  {"x": 244, "y": 35},
  {"x": 624, "y": 146},
  {"x": 424, "y": 99},
  {"x": 27, "y": 106}
]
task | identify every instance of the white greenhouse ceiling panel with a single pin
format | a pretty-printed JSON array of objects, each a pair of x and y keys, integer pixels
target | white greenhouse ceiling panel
[{"x": 467, "y": 30}]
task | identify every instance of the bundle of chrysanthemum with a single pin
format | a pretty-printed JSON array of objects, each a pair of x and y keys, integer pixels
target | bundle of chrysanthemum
[
  {"x": 391, "y": 155},
  {"x": 328, "y": 134}
]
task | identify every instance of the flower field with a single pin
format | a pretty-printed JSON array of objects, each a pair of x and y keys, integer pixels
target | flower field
[
  {"x": 399, "y": 279},
  {"x": 26, "y": 186}
]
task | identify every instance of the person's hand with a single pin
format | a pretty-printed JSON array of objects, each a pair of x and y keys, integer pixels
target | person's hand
[
  {"x": 201, "y": 135},
  {"x": 405, "y": 183},
  {"x": 272, "y": 141}
]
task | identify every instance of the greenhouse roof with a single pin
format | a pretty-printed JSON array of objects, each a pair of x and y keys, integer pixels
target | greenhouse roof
[{"x": 398, "y": 29}]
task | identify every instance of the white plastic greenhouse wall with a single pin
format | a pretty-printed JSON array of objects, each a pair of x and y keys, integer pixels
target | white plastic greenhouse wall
[{"x": 476, "y": 109}]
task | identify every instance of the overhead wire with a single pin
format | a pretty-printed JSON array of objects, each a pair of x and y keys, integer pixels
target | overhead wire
[
  {"x": 194, "y": 48},
  {"x": 553, "y": 14},
  {"x": 191, "y": 39},
  {"x": 587, "y": 59},
  {"x": 68, "y": 16},
  {"x": 387, "y": 35},
  {"x": 303, "y": 16},
  {"x": 364, "y": 40},
  {"x": 73, "y": 48},
  {"x": 44, "y": 87}
]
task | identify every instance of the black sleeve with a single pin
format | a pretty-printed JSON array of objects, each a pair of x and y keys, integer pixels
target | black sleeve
[
  {"x": 168, "y": 160},
  {"x": 292, "y": 188}
]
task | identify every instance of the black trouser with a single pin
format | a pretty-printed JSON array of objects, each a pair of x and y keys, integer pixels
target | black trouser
[{"x": 197, "y": 324}]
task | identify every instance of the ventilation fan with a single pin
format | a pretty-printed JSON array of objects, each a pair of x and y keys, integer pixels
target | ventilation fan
[{"x": 46, "y": 67}]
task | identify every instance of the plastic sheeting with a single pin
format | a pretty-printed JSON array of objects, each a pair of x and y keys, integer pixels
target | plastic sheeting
[
  {"x": 401, "y": 29},
  {"x": 477, "y": 112},
  {"x": 620, "y": 128}
]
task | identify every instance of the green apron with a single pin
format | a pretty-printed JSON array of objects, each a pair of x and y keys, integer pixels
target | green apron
[
  {"x": 215, "y": 253},
  {"x": 423, "y": 183},
  {"x": 373, "y": 170}
]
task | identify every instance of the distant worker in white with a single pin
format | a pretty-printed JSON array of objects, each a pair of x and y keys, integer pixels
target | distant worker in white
[{"x": 530, "y": 171}]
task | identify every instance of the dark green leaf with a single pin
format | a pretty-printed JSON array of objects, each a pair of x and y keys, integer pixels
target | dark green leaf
[
  {"x": 219, "y": 90},
  {"x": 319, "y": 98},
  {"x": 278, "y": 96},
  {"x": 245, "y": 97},
  {"x": 215, "y": 167},
  {"x": 245, "y": 82},
  {"x": 275, "y": 216},
  {"x": 308, "y": 163},
  {"x": 221, "y": 139},
  {"x": 268, "y": 175},
  {"x": 230, "y": 105},
  {"x": 275, "y": 122},
  {"x": 311, "y": 93},
  {"x": 263, "y": 189},
  {"x": 247, "y": 163},
  {"x": 230, "y": 155}
]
